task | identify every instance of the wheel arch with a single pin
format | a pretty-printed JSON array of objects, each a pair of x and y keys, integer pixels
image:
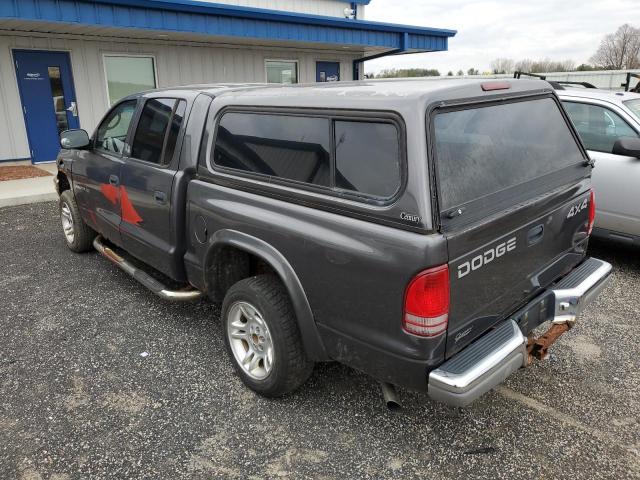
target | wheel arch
[{"x": 262, "y": 250}]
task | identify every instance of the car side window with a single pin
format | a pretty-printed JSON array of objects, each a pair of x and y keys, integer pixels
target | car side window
[
  {"x": 157, "y": 130},
  {"x": 598, "y": 127},
  {"x": 111, "y": 135}
]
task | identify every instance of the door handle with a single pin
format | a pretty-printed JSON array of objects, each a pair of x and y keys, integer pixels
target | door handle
[
  {"x": 160, "y": 197},
  {"x": 535, "y": 234},
  {"x": 114, "y": 180},
  {"x": 73, "y": 108}
]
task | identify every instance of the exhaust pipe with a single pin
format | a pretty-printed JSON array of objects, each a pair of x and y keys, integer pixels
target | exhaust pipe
[{"x": 390, "y": 397}]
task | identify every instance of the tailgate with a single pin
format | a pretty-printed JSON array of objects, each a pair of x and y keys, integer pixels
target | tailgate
[{"x": 514, "y": 197}]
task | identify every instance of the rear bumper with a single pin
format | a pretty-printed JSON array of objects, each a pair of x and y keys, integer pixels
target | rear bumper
[{"x": 491, "y": 359}]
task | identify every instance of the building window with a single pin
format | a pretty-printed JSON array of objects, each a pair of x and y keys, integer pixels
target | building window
[
  {"x": 282, "y": 71},
  {"x": 127, "y": 75}
]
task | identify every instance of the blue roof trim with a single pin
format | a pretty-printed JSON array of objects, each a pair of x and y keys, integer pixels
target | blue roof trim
[{"x": 228, "y": 20}]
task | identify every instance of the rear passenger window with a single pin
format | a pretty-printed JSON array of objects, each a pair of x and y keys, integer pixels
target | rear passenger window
[
  {"x": 291, "y": 147},
  {"x": 351, "y": 156},
  {"x": 158, "y": 129},
  {"x": 367, "y": 158}
]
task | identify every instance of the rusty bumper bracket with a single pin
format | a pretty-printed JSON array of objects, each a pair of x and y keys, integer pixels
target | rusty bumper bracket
[{"x": 538, "y": 348}]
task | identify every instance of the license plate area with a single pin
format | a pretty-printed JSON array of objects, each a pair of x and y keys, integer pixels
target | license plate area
[{"x": 535, "y": 313}]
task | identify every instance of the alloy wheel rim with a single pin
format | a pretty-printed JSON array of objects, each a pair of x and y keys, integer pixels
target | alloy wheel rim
[
  {"x": 250, "y": 340},
  {"x": 67, "y": 223}
]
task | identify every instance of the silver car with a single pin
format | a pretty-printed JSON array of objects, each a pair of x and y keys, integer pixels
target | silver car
[{"x": 609, "y": 125}]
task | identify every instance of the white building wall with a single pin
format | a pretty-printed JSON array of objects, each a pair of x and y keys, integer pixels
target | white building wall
[
  {"x": 175, "y": 65},
  {"x": 332, "y": 8}
]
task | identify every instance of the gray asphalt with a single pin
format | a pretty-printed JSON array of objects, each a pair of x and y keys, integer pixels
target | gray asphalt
[{"x": 77, "y": 399}]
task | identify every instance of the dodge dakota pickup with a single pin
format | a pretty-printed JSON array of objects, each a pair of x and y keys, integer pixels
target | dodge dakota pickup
[{"x": 417, "y": 231}]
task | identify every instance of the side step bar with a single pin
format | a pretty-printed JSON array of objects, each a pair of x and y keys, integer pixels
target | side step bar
[{"x": 144, "y": 278}]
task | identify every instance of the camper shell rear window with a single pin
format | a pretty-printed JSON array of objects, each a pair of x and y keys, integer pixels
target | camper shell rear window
[{"x": 486, "y": 154}]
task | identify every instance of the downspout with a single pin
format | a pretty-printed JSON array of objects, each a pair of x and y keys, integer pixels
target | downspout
[{"x": 404, "y": 41}]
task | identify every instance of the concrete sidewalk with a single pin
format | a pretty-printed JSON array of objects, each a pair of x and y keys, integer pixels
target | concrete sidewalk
[{"x": 28, "y": 190}]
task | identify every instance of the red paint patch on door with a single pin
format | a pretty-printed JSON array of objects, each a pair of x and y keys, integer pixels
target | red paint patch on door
[
  {"x": 128, "y": 211},
  {"x": 110, "y": 192}
]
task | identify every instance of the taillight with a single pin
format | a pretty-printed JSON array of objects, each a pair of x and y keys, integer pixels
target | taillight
[
  {"x": 592, "y": 211},
  {"x": 426, "y": 303}
]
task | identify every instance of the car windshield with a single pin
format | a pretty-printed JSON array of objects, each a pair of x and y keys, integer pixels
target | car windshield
[{"x": 634, "y": 106}]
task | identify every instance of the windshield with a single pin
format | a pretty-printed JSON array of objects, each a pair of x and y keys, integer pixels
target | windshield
[{"x": 634, "y": 106}]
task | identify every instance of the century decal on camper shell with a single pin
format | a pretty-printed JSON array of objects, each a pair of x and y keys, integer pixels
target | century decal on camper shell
[{"x": 487, "y": 257}]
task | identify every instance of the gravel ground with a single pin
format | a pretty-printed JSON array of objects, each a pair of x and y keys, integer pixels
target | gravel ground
[{"x": 78, "y": 400}]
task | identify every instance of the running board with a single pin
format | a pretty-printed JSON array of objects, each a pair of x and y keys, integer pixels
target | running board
[{"x": 144, "y": 278}]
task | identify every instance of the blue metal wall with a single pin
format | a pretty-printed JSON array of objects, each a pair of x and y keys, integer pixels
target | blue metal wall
[{"x": 226, "y": 20}]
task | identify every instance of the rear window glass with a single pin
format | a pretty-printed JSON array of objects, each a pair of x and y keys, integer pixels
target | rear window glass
[
  {"x": 367, "y": 158},
  {"x": 482, "y": 151},
  {"x": 158, "y": 123},
  {"x": 291, "y": 147}
]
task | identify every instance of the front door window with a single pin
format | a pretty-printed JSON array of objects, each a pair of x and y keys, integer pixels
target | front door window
[{"x": 111, "y": 136}]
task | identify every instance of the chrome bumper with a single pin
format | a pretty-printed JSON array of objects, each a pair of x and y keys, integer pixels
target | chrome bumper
[
  {"x": 579, "y": 288},
  {"x": 493, "y": 357}
]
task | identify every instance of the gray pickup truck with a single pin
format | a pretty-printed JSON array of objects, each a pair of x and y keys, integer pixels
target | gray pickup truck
[{"x": 416, "y": 231}]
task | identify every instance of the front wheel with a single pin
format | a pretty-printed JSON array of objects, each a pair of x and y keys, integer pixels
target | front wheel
[
  {"x": 262, "y": 336},
  {"x": 78, "y": 235}
]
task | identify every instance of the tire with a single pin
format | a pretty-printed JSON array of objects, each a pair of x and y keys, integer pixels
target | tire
[
  {"x": 257, "y": 317},
  {"x": 77, "y": 234}
]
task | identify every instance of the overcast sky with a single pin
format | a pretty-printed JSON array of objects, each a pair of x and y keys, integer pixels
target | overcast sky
[{"x": 517, "y": 29}]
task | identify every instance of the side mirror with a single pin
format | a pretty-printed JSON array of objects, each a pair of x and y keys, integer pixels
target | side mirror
[
  {"x": 627, "y": 146},
  {"x": 77, "y": 138}
]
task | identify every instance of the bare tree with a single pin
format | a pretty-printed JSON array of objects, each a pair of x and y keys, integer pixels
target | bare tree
[
  {"x": 545, "y": 65},
  {"x": 620, "y": 50},
  {"x": 502, "y": 65}
]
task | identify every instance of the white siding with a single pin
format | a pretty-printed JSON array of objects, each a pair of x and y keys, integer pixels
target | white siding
[
  {"x": 332, "y": 8},
  {"x": 175, "y": 65}
]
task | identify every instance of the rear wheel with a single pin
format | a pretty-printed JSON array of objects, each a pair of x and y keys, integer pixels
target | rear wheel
[
  {"x": 262, "y": 337},
  {"x": 78, "y": 235}
]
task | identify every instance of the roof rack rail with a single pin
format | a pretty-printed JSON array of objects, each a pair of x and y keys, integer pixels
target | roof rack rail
[
  {"x": 556, "y": 84},
  {"x": 518, "y": 74},
  {"x": 582, "y": 84}
]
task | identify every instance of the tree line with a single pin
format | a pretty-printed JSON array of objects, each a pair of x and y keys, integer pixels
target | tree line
[{"x": 617, "y": 51}]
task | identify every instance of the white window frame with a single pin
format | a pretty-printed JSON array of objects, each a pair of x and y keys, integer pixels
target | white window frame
[
  {"x": 131, "y": 55},
  {"x": 290, "y": 60}
]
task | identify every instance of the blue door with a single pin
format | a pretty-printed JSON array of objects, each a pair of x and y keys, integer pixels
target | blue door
[
  {"x": 48, "y": 100},
  {"x": 327, "y": 72}
]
